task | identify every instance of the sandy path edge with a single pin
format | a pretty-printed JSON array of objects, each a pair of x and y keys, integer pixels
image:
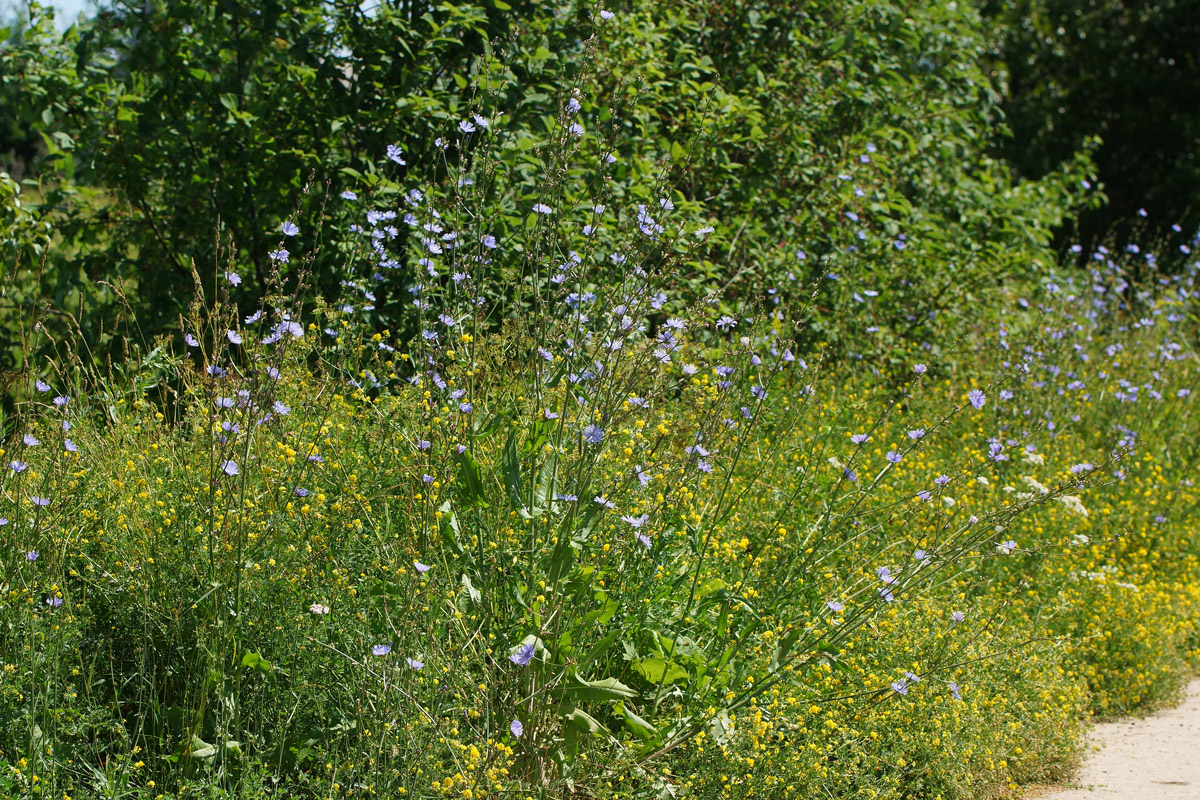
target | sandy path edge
[{"x": 1155, "y": 758}]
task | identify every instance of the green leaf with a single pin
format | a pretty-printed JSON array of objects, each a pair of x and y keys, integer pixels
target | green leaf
[
  {"x": 597, "y": 691},
  {"x": 470, "y": 589},
  {"x": 658, "y": 670},
  {"x": 601, "y": 647},
  {"x": 709, "y": 586},
  {"x": 640, "y": 727},
  {"x": 607, "y": 610},
  {"x": 450, "y": 529},
  {"x": 785, "y": 645},
  {"x": 201, "y": 749},
  {"x": 256, "y": 662},
  {"x": 510, "y": 466},
  {"x": 470, "y": 479}
]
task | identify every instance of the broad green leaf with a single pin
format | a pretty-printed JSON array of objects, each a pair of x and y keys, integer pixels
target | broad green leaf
[
  {"x": 256, "y": 662},
  {"x": 201, "y": 749},
  {"x": 597, "y": 691},
  {"x": 660, "y": 671},
  {"x": 640, "y": 727},
  {"x": 584, "y": 722},
  {"x": 470, "y": 479}
]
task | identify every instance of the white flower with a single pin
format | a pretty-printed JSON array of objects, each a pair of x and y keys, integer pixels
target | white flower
[
  {"x": 1074, "y": 504},
  {"x": 1034, "y": 484}
]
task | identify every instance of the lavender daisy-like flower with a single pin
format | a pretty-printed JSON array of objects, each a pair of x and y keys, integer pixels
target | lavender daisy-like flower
[
  {"x": 54, "y": 602},
  {"x": 900, "y": 686},
  {"x": 233, "y": 278},
  {"x": 859, "y": 438},
  {"x": 190, "y": 340},
  {"x": 523, "y": 655},
  {"x": 420, "y": 568},
  {"x": 916, "y": 434},
  {"x": 32, "y": 555},
  {"x": 70, "y": 446},
  {"x": 593, "y": 434},
  {"x": 542, "y": 208},
  {"x": 414, "y": 664},
  {"x": 234, "y": 337},
  {"x": 894, "y": 457},
  {"x": 29, "y": 441},
  {"x": 516, "y": 728},
  {"x": 381, "y": 649},
  {"x": 977, "y": 398},
  {"x": 230, "y": 468},
  {"x": 281, "y": 255},
  {"x": 604, "y": 502},
  {"x": 61, "y": 400},
  {"x": 1006, "y": 548},
  {"x": 41, "y": 502},
  {"x": 957, "y": 616},
  {"x": 393, "y": 153},
  {"x": 289, "y": 228},
  {"x": 919, "y": 369},
  {"x": 18, "y": 466},
  {"x": 954, "y": 690},
  {"x": 834, "y": 606},
  {"x": 41, "y": 386}
]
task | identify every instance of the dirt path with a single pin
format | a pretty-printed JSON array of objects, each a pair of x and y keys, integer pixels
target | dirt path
[{"x": 1157, "y": 758}]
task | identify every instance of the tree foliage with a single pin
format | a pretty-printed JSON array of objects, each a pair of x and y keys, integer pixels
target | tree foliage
[{"x": 839, "y": 145}]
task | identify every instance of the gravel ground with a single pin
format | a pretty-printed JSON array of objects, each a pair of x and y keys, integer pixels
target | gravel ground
[{"x": 1156, "y": 758}]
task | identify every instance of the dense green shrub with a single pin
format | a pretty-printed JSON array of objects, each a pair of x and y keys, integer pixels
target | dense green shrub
[{"x": 821, "y": 139}]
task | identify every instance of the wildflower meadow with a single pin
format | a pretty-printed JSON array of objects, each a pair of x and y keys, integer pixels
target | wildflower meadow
[{"x": 538, "y": 456}]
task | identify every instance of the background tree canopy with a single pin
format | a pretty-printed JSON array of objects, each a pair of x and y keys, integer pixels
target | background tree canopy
[
  {"x": 1126, "y": 72},
  {"x": 164, "y": 135}
]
